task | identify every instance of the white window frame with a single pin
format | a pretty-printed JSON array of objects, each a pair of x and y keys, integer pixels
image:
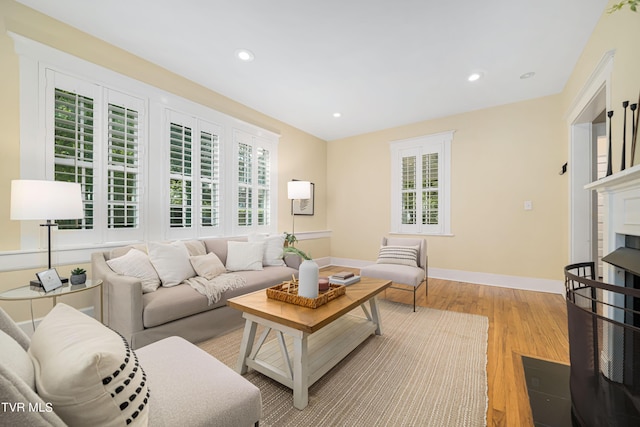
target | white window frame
[
  {"x": 36, "y": 159},
  {"x": 197, "y": 126},
  {"x": 435, "y": 143},
  {"x": 255, "y": 141}
]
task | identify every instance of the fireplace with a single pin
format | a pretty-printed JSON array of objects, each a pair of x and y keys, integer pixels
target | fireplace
[
  {"x": 604, "y": 348},
  {"x": 604, "y": 316}
]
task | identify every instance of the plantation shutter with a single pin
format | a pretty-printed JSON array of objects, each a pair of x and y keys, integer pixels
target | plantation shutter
[
  {"x": 420, "y": 193},
  {"x": 264, "y": 185},
  {"x": 254, "y": 157},
  {"x": 409, "y": 189},
  {"x": 245, "y": 189},
  {"x": 180, "y": 176},
  {"x": 430, "y": 190},
  {"x": 209, "y": 179},
  {"x": 73, "y": 128},
  {"x": 123, "y": 174}
]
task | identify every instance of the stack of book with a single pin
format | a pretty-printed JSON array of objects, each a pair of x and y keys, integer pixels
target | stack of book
[{"x": 344, "y": 278}]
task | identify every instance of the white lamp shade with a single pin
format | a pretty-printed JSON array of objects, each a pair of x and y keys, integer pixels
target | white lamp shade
[
  {"x": 299, "y": 190},
  {"x": 33, "y": 199}
]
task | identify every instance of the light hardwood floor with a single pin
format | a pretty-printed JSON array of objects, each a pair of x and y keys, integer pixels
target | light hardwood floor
[{"x": 520, "y": 323}]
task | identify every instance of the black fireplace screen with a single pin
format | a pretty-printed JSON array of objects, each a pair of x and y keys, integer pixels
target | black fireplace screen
[{"x": 604, "y": 346}]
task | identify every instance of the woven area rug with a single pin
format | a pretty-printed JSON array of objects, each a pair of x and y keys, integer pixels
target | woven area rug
[{"x": 427, "y": 369}]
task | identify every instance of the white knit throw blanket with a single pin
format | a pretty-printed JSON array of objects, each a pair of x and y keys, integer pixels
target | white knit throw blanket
[{"x": 214, "y": 288}]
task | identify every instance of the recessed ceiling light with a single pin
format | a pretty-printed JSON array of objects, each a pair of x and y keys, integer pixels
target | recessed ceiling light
[
  {"x": 337, "y": 115},
  {"x": 474, "y": 77},
  {"x": 527, "y": 75},
  {"x": 245, "y": 55}
]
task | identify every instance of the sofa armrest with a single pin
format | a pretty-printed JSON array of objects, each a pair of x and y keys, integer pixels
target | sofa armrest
[{"x": 122, "y": 305}]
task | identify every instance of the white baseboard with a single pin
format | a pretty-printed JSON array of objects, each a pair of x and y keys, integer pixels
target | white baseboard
[
  {"x": 490, "y": 279},
  {"x": 27, "y": 325}
]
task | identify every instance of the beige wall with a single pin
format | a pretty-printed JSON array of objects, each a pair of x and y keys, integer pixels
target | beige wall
[
  {"x": 500, "y": 157},
  {"x": 301, "y": 156},
  {"x": 619, "y": 31}
]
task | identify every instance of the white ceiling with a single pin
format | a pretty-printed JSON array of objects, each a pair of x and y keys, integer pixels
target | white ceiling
[{"x": 380, "y": 63}]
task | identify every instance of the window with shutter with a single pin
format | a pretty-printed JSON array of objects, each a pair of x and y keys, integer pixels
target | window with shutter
[
  {"x": 73, "y": 149},
  {"x": 264, "y": 163},
  {"x": 180, "y": 176},
  {"x": 254, "y": 157},
  {"x": 209, "y": 179},
  {"x": 97, "y": 126},
  {"x": 245, "y": 189},
  {"x": 421, "y": 184},
  {"x": 122, "y": 168}
]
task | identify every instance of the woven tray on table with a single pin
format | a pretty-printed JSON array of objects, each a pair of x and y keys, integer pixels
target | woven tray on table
[{"x": 288, "y": 292}]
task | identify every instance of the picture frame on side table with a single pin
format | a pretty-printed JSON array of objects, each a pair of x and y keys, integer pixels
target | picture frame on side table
[
  {"x": 304, "y": 206},
  {"x": 49, "y": 279}
]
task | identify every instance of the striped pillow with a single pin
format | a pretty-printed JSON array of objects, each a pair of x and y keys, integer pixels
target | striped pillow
[{"x": 402, "y": 255}]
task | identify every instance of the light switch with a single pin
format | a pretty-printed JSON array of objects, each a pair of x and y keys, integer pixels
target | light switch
[{"x": 528, "y": 205}]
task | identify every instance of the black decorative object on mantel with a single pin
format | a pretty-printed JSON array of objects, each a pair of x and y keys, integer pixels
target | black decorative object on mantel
[
  {"x": 609, "y": 165},
  {"x": 634, "y": 135},
  {"x": 623, "y": 165}
]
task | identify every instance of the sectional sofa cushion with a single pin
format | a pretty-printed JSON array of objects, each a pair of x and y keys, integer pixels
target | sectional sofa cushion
[
  {"x": 17, "y": 359},
  {"x": 217, "y": 395},
  {"x": 87, "y": 371},
  {"x": 169, "y": 304}
]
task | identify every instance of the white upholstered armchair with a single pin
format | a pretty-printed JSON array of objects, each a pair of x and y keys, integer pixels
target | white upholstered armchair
[{"x": 403, "y": 261}]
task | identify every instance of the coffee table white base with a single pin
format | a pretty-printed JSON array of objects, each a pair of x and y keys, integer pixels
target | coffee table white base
[{"x": 298, "y": 359}]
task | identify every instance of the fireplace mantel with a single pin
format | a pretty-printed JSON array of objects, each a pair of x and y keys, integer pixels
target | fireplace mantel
[
  {"x": 623, "y": 180},
  {"x": 621, "y": 212}
]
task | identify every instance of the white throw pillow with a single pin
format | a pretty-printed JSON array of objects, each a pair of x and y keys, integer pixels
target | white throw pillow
[
  {"x": 171, "y": 261},
  {"x": 136, "y": 263},
  {"x": 273, "y": 248},
  {"x": 87, "y": 371},
  {"x": 244, "y": 255},
  {"x": 207, "y": 266},
  {"x": 14, "y": 357},
  {"x": 402, "y": 255}
]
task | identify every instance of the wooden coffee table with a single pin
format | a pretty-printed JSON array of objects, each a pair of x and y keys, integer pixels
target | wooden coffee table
[{"x": 317, "y": 338}]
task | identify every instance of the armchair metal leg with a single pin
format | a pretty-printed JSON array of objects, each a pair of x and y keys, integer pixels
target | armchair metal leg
[{"x": 414, "y": 299}]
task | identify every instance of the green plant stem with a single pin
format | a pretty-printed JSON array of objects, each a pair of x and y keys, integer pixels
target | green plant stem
[{"x": 633, "y": 5}]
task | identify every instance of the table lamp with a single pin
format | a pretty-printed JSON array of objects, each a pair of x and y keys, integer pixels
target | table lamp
[
  {"x": 297, "y": 190},
  {"x": 46, "y": 200}
]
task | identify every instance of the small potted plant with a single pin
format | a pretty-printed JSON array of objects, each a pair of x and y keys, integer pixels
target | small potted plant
[
  {"x": 289, "y": 239},
  {"x": 78, "y": 276}
]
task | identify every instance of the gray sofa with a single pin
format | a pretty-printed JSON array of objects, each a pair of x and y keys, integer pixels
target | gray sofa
[
  {"x": 143, "y": 318},
  {"x": 187, "y": 386}
]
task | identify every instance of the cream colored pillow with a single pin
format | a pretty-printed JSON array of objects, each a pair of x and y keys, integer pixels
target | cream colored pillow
[
  {"x": 88, "y": 372},
  {"x": 244, "y": 255},
  {"x": 136, "y": 263},
  {"x": 273, "y": 248},
  {"x": 207, "y": 266},
  {"x": 171, "y": 261}
]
